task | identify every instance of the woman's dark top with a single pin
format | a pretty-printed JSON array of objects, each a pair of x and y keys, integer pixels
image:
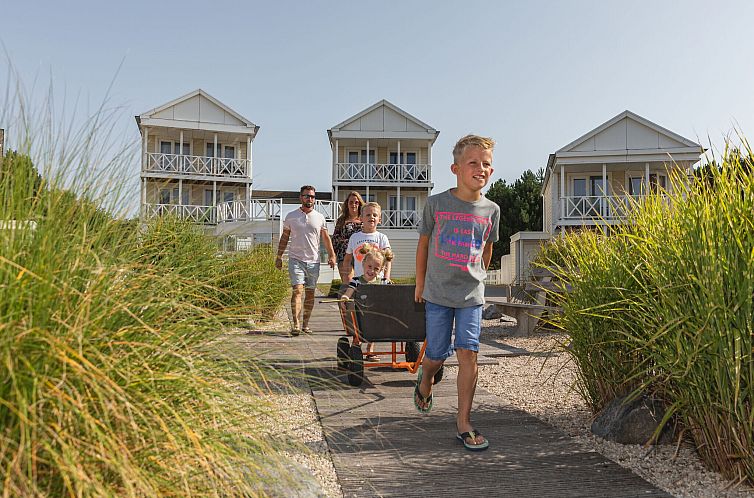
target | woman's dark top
[{"x": 340, "y": 238}]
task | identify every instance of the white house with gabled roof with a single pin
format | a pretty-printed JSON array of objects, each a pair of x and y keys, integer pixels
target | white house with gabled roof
[
  {"x": 196, "y": 160},
  {"x": 385, "y": 154},
  {"x": 595, "y": 179}
]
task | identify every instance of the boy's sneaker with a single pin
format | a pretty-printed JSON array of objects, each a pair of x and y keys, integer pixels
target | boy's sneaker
[{"x": 306, "y": 330}]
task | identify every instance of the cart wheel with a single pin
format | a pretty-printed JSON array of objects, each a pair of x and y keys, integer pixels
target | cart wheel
[
  {"x": 343, "y": 346},
  {"x": 438, "y": 375},
  {"x": 412, "y": 351},
  {"x": 355, "y": 366}
]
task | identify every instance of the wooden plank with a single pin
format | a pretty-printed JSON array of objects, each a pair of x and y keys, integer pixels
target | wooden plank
[{"x": 381, "y": 446}]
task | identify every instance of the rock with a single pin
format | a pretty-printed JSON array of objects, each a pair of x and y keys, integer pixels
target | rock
[
  {"x": 491, "y": 313},
  {"x": 632, "y": 422}
]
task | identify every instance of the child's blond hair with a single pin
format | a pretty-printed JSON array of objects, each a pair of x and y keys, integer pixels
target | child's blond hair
[
  {"x": 382, "y": 255},
  {"x": 471, "y": 140},
  {"x": 373, "y": 205}
]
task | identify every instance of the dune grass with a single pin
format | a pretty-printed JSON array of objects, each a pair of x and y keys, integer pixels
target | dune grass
[
  {"x": 663, "y": 305},
  {"x": 115, "y": 381}
]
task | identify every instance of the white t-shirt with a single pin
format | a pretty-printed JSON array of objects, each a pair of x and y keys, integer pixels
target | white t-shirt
[
  {"x": 305, "y": 234},
  {"x": 355, "y": 243}
]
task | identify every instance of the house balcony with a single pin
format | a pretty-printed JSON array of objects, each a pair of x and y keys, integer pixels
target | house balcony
[
  {"x": 403, "y": 218},
  {"x": 198, "y": 214},
  {"x": 596, "y": 209},
  {"x": 267, "y": 209},
  {"x": 172, "y": 165},
  {"x": 384, "y": 174}
]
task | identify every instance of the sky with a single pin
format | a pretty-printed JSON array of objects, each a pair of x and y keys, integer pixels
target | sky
[{"x": 532, "y": 75}]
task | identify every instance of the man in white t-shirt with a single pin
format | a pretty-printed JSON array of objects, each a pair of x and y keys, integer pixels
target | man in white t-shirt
[{"x": 304, "y": 227}]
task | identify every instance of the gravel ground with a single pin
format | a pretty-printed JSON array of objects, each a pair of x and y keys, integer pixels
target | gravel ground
[{"x": 539, "y": 383}]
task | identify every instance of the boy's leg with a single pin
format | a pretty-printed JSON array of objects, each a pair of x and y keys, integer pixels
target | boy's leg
[
  {"x": 439, "y": 322},
  {"x": 466, "y": 382},
  {"x": 468, "y": 330}
]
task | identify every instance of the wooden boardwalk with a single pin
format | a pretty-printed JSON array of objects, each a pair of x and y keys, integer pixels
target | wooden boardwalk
[{"x": 381, "y": 446}]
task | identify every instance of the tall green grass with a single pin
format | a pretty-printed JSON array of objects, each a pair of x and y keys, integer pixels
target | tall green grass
[
  {"x": 663, "y": 305},
  {"x": 113, "y": 377}
]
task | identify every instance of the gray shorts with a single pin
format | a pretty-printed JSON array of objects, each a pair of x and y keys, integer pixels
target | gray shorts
[{"x": 304, "y": 273}]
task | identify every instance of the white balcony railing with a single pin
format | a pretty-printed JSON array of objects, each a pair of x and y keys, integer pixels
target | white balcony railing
[
  {"x": 595, "y": 207},
  {"x": 257, "y": 210},
  {"x": 198, "y": 214},
  {"x": 197, "y": 165},
  {"x": 403, "y": 218},
  {"x": 383, "y": 173},
  {"x": 238, "y": 210}
]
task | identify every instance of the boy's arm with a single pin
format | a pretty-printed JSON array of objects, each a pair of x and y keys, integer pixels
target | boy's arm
[
  {"x": 281, "y": 247},
  {"x": 348, "y": 261},
  {"x": 487, "y": 255},
  {"x": 422, "y": 251},
  {"x": 328, "y": 246}
]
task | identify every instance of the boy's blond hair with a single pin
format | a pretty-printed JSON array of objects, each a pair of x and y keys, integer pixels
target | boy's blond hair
[
  {"x": 372, "y": 204},
  {"x": 471, "y": 140}
]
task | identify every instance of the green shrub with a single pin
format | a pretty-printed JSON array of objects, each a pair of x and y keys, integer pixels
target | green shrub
[
  {"x": 664, "y": 305},
  {"x": 115, "y": 380}
]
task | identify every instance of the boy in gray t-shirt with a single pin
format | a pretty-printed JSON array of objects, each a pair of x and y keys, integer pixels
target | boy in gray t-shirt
[{"x": 457, "y": 230}]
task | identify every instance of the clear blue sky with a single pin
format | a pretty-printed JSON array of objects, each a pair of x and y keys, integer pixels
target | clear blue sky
[{"x": 533, "y": 75}]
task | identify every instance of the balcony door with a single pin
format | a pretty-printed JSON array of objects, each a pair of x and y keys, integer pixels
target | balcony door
[
  {"x": 169, "y": 150},
  {"x": 657, "y": 183},
  {"x": 587, "y": 193},
  {"x": 407, "y": 169},
  {"x": 361, "y": 165}
]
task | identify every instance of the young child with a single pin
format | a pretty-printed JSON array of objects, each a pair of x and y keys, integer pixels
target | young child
[
  {"x": 371, "y": 212},
  {"x": 373, "y": 261},
  {"x": 456, "y": 233}
]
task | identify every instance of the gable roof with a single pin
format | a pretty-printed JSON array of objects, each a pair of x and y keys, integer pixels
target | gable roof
[
  {"x": 198, "y": 108},
  {"x": 625, "y": 138},
  {"x": 384, "y": 120},
  {"x": 628, "y": 131}
]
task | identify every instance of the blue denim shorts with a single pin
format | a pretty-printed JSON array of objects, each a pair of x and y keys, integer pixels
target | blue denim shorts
[
  {"x": 439, "y": 319},
  {"x": 301, "y": 272}
]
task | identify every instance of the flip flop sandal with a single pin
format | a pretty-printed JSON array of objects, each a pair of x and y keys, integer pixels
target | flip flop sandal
[
  {"x": 295, "y": 332},
  {"x": 419, "y": 398},
  {"x": 472, "y": 434},
  {"x": 306, "y": 330}
]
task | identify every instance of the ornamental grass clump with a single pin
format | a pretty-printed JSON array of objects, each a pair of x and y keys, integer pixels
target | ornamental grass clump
[
  {"x": 110, "y": 337},
  {"x": 663, "y": 306}
]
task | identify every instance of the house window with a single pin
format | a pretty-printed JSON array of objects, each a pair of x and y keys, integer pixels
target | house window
[
  {"x": 356, "y": 164},
  {"x": 208, "y": 197},
  {"x": 228, "y": 196},
  {"x": 229, "y": 152},
  {"x": 587, "y": 193},
  {"x": 170, "y": 196},
  {"x": 408, "y": 169},
  {"x": 657, "y": 183}
]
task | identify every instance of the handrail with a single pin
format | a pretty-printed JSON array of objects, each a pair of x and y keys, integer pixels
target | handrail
[
  {"x": 383, "y": 172},
  {"x": 197, "y": 165}
]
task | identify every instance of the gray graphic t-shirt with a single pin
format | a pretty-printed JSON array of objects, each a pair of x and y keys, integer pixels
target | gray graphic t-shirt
[{"x": 457, "y": 231}]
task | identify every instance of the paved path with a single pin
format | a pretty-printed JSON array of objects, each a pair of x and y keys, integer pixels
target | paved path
[{"x": 381, "y": 446}]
